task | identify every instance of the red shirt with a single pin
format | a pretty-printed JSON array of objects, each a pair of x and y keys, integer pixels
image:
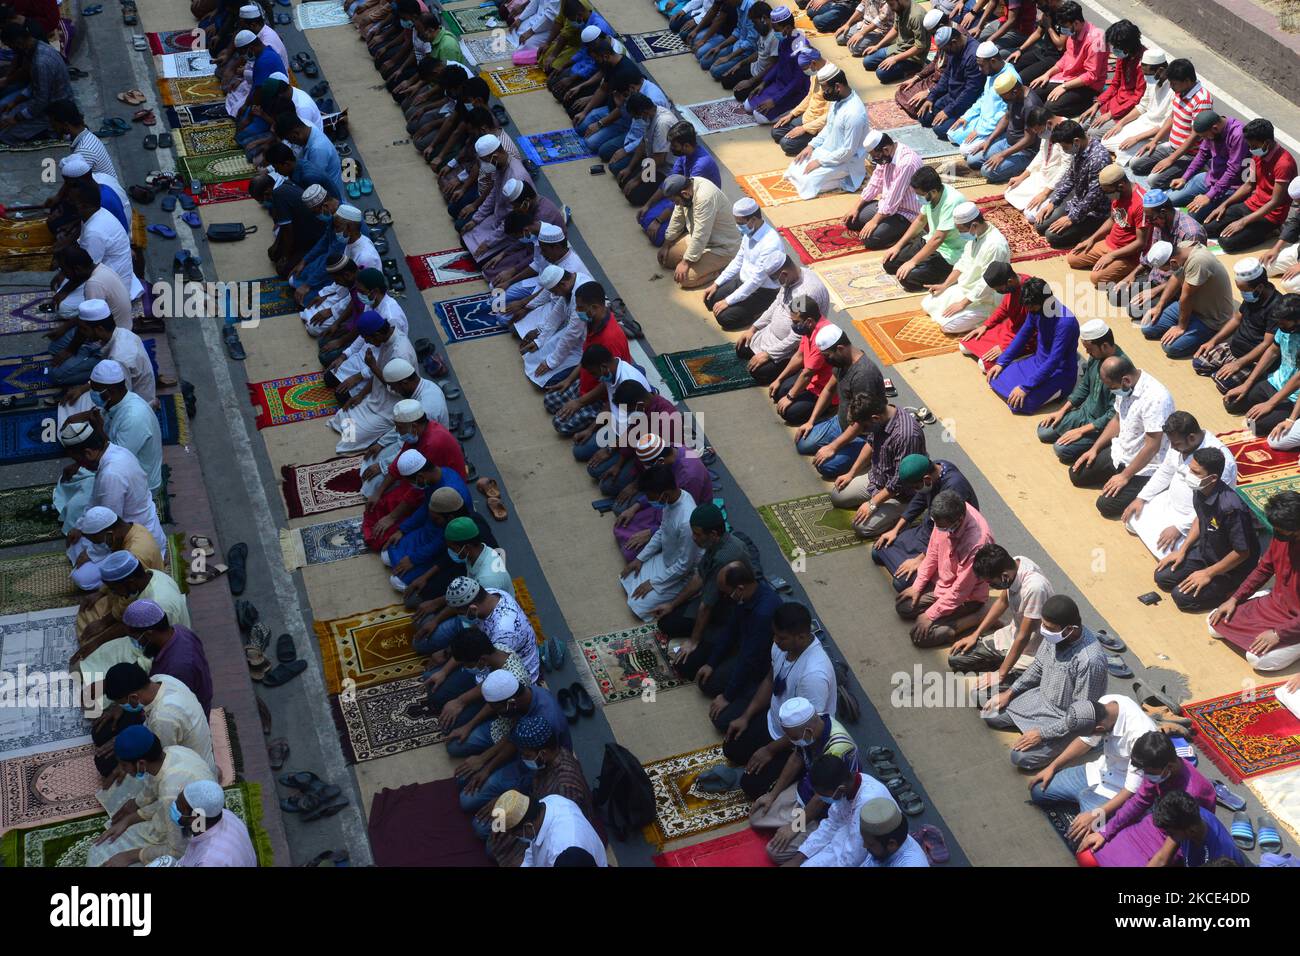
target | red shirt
[
  {"x": 815, "y": 362},
  {"x": 1125, "y": 217},
  {"x": 613, "y": 338},
  {"x": 1127, "y": 84},
  {"x": 1011, "y": 308},
  {"x": 439, "y": 447},
  {"x": 1275, "y": 166}
]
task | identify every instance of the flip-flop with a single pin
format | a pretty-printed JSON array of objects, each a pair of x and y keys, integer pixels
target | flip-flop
[
  {"x": 245, "y": 614},
  {"x": 150, "y": 142},
  {"x": 187, "y": 201},
  {"x": 467, "y": 430},
  {"x": 146, "y": 117},
  {"x": 191, "y": 219},
  {"x": 925, "y": 416},
  {"x": 131, "y": 97},
  {"x": 299, "y": 803},
  {"x": 283, "y": 673},
  {"x": 366, "y": 186},
  {"x": 1243, "y": 831},
  {"x": 238, "y": 558},
  {"x": 277, "y": 751},
  {"x": 911, "y": 803},
  {"x": 1110, "y": 642},
  {"x": 301, "y": 780},
  {"x": 1118, "y": 667},
  {"x": 202, "y": 543},
  {"x": 1270, "y": 837},
  {"x": 165, "y": 141},
  {"x": 167, "y": 203},
  {"x": 92, "y": 10},
  {"x": 1148, "y": 695},
  {"x": 160, "y": 229},
  {"x": 488, "y": 487},
  {"x": 497, "y": 509},
  {"x": 326, "y": 809},
  {"x": 932, "y": 841},
  {"x": 353, "y": 190},
  {"x": 1184, "y": 750},
  {"x": 285, "y": 652},
  {"x": 879, "y": 755},
  {"x": 1232, "y": 801}
]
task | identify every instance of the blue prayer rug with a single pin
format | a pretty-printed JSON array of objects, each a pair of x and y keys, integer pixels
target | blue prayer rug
[
  {"x": 196, "y": 114},
  {"x": 468, "y": 318},
  {"x": 275, "y": 298},
  {"x": 557, "y": 146},
  {"x": 21, "y": 432},
  {"x": 322, "y": 543},
  {"x": 25, "y": 374},
  {"x": 653, "y": 45}
]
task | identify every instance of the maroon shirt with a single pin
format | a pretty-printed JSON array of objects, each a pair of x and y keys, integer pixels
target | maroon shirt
[{"x": 182, "y": 657}]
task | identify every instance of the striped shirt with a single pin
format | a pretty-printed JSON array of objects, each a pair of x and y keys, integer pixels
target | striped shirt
[
  {"x": 1186, "y": 108},
  {"x": 891, "y": 184},
  {"x": 92, "y": 150},
  {"x": 901, "y": 436}
]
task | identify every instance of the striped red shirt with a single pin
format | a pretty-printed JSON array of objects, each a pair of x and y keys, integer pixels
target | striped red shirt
[{"x": 1186, "y": 109}]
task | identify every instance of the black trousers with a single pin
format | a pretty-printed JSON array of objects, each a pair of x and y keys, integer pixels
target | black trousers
[
  {"x": 766, "y": 373},
  {"x": 1037, "y": 60},
  {"x": 1212, "y": 595},
  {"x": 1247, "y": 237},
  {"x": 643, "y": 191},
  {"x": 887, "y": 232},
  {"x": 791, "y": 145},
  {"x": 1261, "y": 391},
  {"x": 739, "y": 751},
  {"x": 930, "y": 271},
  {"x": 1070, "y": 237},
  {"x": 1072, "y": 102},
  {"x": 801, "y": 405},
  {"x": 757, "y": 784},
  {"x": 1102, "y": 470},
  {"x": 740, "y": 315}
]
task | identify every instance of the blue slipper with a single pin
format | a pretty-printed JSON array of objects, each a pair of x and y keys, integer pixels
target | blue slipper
[
  {"x": 1117, "y": 666},
  {"x": 167, "y": 203},
  {"x": 158, "y": 229},
  {"x": 90, "y": 11},
  {"x": 1226, "y": 797},
  {"x": 191, "y": 219},
  {"x": 187, "y": 201},
  {"x": 1243, "y": 831},
  {"x": 1184, "y": 750},
  {"x": 1270, "y": 840}
]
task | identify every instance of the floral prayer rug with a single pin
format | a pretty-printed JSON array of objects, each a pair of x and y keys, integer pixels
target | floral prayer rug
[
  {"x": 923, "y": 141},
  {"x": 196, "y": 114},
  {"x": 468, "y": 318},
  {"x": 681, "y": 809},
  {"x": 34, "y": 583},
  {"x": 1248, "y": 733},
  {"x": 46, "y": 787},
  {"x": 275, "y": 298},
  {"x": 629, "y": 664},
  {"x": 769, "y": 189},
  {"x": 471, "y": 20},
  {"x": 745, "y": 848},
  {"x": 298, "y": 398},
  {"x": 863, "y": 282},
  {"x": 320, "y": 13},
  {"x": 323, "y": 486},
  {"x": 322, "y": 543},
  {"x": 208, "y": 139},
  {"x": 216, "y": 167},
  {"x": 955, "y": 172},
  {"x": 186, "y": 65},
  {"x": 496, "y": 48},
  {"x": 822, "y": 240},
  {"x": 171, "y": 41},
  {"x": 905, "y": 335},
  {"x": 705, "y": 371},
  {"x": 23, "y": 433},
  {"x": 373, "y": 721},
  {"x": 1256, "y": 461},
  {"x": 809, "y": 526},
  {"x": 1025, "y": 242},
  {"x": 189, "y": 90},
  {"x": 557, "y": 146},
  {"x": 654, "y": 45},
  {"x": 368, "y": 648},
  {"x": 888, "y": 115},
  {"x": 449, "y": 267},
  {"x": 718, "y": 116},
  {"x": 210, "y": 193},
  {"x": 516, "y": 79},
  {"x": 22, "y": 520}
]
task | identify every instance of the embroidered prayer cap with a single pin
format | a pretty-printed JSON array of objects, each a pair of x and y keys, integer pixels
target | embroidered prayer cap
[
  {"x": 1204, "y": 120},
  {"x": 87, "y": 577},
  {"x": 1005, "y": 83},
  {"x": 397, "y": 370},
  {"x": 461, "y": 530},
  {"x": 97, "y": 519},
  {"x": 486, "y": 145},
  {"x": 243, "y": 38},
  {"x": 446, "y": 500},
  {"x": 132, "y": 743},
  {"x": 74, "y": 433},
  {"x": 966, "y": 212},
  {"x": 1111, "y": 175},
  {"x": 781, "y": 14},
  {"x": 550, "y": 233},
  {"x": 708, "y": 517},
  {"x": 744, "y": 207},
  {"x": 1154, "y": 58},
  {"x": 551, "y": 277},
  {"x": 828, "y": 73},
  {"x": 531, "y": 733},
  {"x": 513, "y": 189},
  {"x": 371, "y": 279},
  {"x": 988, "y": 50},
  {"x": 913, "y": 468},
  {"x": 348, "y": 213},
  {"x": 1159, "y": 253},
  {"x": 206, "y": 797},
  {"x": 119, "y": 566},
  {"x": 107, "y": 372},
  {"x": 499, "y": 685},
  {"x": 407, "y": 410},
  {"x": 511, "y": 805},
  {"x": 93, "y": 310},
  {"x": 673, "y": 185},
  {"x": 250, "y": 11},
  {"x": 943, "y": 36},
  {"x": 73, "y": 166},
  {"x": 1248, "y": 269},
  {"x": 649, "y": 447},
  {"x": 462, "y": 590},
  {"x": 142, "y": 614},
  {"x": 409, "y": 462},
  {"x": 828, "y": 337},
  {"x": 880, "y": 817},
  {"x": 796, "y": 712},
  {"x": 369, "y": 322},
  {"x": 589, "y": 34},
  {"x": 313, "y": 195},
  {"x": 1154, "y": 198},
  {"x": 1093, "y": 329},
  {"x": 932, "y": 19}
]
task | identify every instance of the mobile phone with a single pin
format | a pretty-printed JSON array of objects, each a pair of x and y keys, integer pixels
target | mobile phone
[
  {"x": 603, "y": 505},
  {"x": 1150, "y": 598},
  {"x": 597, "y": 170}
]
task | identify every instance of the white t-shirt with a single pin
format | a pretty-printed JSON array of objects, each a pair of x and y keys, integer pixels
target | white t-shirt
[
  {"x": 1026, "y": 597},
  {"x": 104, "y": 240},
  {"x": 909, "y": 853},
  {"x": 810, "y": 676},
  {"x": 1113, "y": 770},
  {"x": 127, "y": 349},
  {"x": 563, "y": 827},
  {"x": 1142, "y": 412},
  {"x": 623, "y": 372},
  {"x": 307, "y": 109}
]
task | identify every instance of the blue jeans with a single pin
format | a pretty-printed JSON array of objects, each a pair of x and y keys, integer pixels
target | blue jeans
[
  {"x": 513, "y": 776},
  {"x": 724, "y": 64},
  {"x": 439, "y": 640},
  {"x": 606, "y": 141},
  {"x": 76, "y": 369},
  {"x": 821, "y": 435},
  {"x": 873, "y": 61},
  {"x": 479, "y": 740},
  {"x": 1196, "y": 334},
  {"x": 1191, "y": 189},
  {"x": 832, "y": 17},
  {"x": 1069, "y": 787},
  {"x": 1013, "y": 165},
  {"x": 709, "y": 52}
]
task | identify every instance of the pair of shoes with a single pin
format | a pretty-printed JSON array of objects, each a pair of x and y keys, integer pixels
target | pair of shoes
[
  {"x": 290, "y": 665},
  {"x": 574, "y": 701}
]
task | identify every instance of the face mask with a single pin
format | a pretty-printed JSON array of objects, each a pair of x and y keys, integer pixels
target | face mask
[
  {"x": 1196, "y": 484},
  {"x": 1066, "y": 32},
  {"x": 175, "y": 812},
  {"x": 531, "y": 764},
  {"x": 467, "y": 621},
  {"x": 1250, "y": 297},
  {"x": 340, "y": 234},
  {"x": 140, "y": 775},
  {"x": 1118, "y": 54},
  {"x": 139, "y": 646},
  {"x": 1123, "y": 392},
  {"x": 746, "y": 229},
  {"x": 965, "y": 236},
  {"x": 97, "y": 398},
  {"x": 1258, "y": 152},
  {"x": 802, "y": 328},
  {"x": 1052, "y": 637},
  {"x": 410, "y": 438},
  {"x": 1155, "y": 777},
  {"x": 129, "y": 707},
  {"x": 406, "y": 24},
  {"x": 805, "y": 741},
  {"x": 458, "y": 558},
  {"x": 607, "y": 379}
]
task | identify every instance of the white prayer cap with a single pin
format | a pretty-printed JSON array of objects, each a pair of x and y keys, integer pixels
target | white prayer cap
[
  {"x": 486, "y": 145},
  {"x": 348, "y": 213},
  {"x": 107, "y": 372},
  {"x": 828, "y": 337},
  {"x": 617, "y": 46},
  {"x": 932, "y": 19},
  {"x": 500, "y": 685},
  {"x": 551, "y": 277},
  {"x": 827, "y": 72},
  {"x": 796, "y": 712},
  {"x": 513, "y": 189},
  {"x": 244, "y": 37},
  {"x": 1293, "y": 190},
  {"x": 1093, "y": 329},
  {"x": 118, "y": 566},
  {"x": 74, "y": 165},
  {"x": 250, "y": 11},
  {"x": 550, "y": 233},
  {"x": 1154, "y": 58},
  {"x": 93, "y": 310},
  {"x": 589, "y": 34},
  {"x": 1248, "y": 269},
  {"x": 313, "y": 195},
  {"x": 398, "y": 369},
  {"x": 97, "y": 519},
  {"x": 943, "y": 36},
  {"x": 746, "y": 206},
  {"x": 74, "y": 433},
  {"x": 966, "y": 212},
  {"x": 873, "y": 140},
  {"x": 87, "y": 577},
  {"x": 408, "y": 410},
  {"x": 409, "y": 462},
  {"x": 781, "y": 14},
  {"x": 988, "y": 50},
  {"x": 1159, "y": 253},
  {"x": 278, "y": 76},
  {"x": 205, "y": 796}
]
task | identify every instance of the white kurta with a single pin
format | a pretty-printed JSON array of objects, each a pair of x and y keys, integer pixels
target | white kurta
[
  {"x": 121, "y": 486},
  {"x": 1170, "y": 500},
  {"x": 127, "y": 349},
  {"x": 1045, "y": 171},
  {"x": 176, "y": 718},
  {"x": 434, "y": 403},
  {"x": 563, "y": 828},
  {"x": 373, "y": 417},
  {"x": 838, "y": 150},
  {"x": 104, "y": 240},
  {"x": 978, "y": 255},
  {"x": 666, "y": 560},
  {"x": 336, "y": 302},
  {"x": 156, "y": 834},
  {"x": 560, "y": 347},
  {"x": 838, "y": 840},
  {"x": 539, "y": 17},
  {"x": 547, "y": 312},
  {"x": 354, "y": 362},
  {"x": 132, "y": 424},
  {"x": 1157, "y": 104}
]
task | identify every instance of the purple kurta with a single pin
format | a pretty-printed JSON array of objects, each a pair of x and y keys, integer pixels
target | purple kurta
[
  {"x": 1051, "y": 369},
  {"x": 784, "y": 83},
  {"x": 1132, "y": 837},
  {"x": 692, "y": 477},
  {"x": 489, "y": 235},
  {"x": 182, "y": 657},
  {"x": 519, "y": 255}
]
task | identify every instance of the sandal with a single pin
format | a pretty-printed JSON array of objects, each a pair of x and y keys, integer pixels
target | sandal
[
  {"x": 910, "y": 803},
  {"x": 165, "y": 141},
  {"x": 203, "y": 543},
  {"x": 1243, "y": 831},
  {"x": 488, "y": 487},
  {"x": 145, "y": 117},
  {"x": 925, "y": 416},
  {"x": 161, "y": 229},
  {"x": 131, "y": 97},
  {"x": 245, "y": 615},
  {"x": 932, "y": 841},
  {"x": 285, "y": 652},
  {"x": 283, "y": 673},
  {"x": 301, "y": 780},
  {"x": 1226, "y": 797},
  {"x": 207, "y": 574},
  {"x": 1270, "y": 838},
  {"x": 258, "y": 663},
  {"x": 451, "y": 393},
  {"x": 93, "y": 9},
  {"x": 1118, "y": 666},
  {"x": 150, "y": 142},
  {"x": 278, "y": 752},
  {"x": 467, "y": 430},
  {"x": 326, "y": 809},
  {"x": 238, "y": 558},
  {"x": 1111, "y": 642}
]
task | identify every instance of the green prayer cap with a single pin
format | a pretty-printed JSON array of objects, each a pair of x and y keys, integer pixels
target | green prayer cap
[
  {"x": 372, "y": 279},
  {"x": 460, "y": 530},
  {"x": 270, "y": 88},
  {"x": 708, "y": 517},
  {"x": 913, "y": 468}
]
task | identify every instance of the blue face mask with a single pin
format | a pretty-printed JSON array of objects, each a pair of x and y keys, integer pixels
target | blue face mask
[
  {"x": 1066, "y": 32},
  {"x": 658, "y": 504},
  {"x": 133, "y": 708},
  {"x": 406, "y": 24},
  {"x": 458, "y": 558},
  {"x": 1258, "y": 152},
  {"x": 607, "y": 379},
  {"x": 1250, "y": 297},
  {"x": 97, "y": 398},
  {"x": 531, "y": 764},
  {"x": 1123, "y": 392},
  {"x": 965, "y": 236},
  {"x": 175, "y": 812},
  {"x": 410, "y": 438},
  {"x": 746, "y": 229},
  {"x": 136, "y": 643},
  {"x": 467, "y": 621},
  {"x": 140, "y": 775}
]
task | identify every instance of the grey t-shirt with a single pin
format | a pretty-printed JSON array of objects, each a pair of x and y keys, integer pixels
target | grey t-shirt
[{"x": 862, "y": 377}]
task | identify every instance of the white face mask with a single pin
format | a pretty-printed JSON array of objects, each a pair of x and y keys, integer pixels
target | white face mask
[
  {"x": 805, "y": 741},
  {"x": 1196, "y": 484},
  {"x": 1052, "y": 637}
]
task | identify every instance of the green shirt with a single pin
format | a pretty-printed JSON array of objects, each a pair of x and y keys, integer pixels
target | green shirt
[
  {"x": 1092, "y": 402},
  {"x": 447, "y": 48},
  {"x": 912, "y": 34},
  {"x": 940, "y": 219}
]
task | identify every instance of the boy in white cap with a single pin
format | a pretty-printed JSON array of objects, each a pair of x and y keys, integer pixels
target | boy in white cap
[
  {"x": 964, "y": 300},
  {"x": 835, "y": 159},
  {"x": 75, "y": 167},
  {"x": 360, "y": 248},
  {"x": 747, "y": 285},
  {"x": 119, "y": 483},
  {"x": 555, "y": 351},
  {"x": 1072, "y": 428},
  {"x": 485, "y": 235},
  {"x": 423, "y": 399}
]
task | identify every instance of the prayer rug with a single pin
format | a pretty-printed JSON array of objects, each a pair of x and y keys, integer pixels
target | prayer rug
[
  {"x": 323, "y": 486},
  {"x": 557, "y": 146},
  {"x": 747, "y": 847},
  {"x": 468, "y": 318},
  {"x": 1256, "y": 461},
  {"x": 216, "y": 167},
  {"x": 681, "y": 809},
  {"x": 25, "y": 375},
  {"x": 19, "y": 312},
  {"x": 196, "y": 114},
  {"x": 705, "y": 371},
  {"x": 804, "y": 22},
  {"x": 1280, "y": 795},
  {"x": 449, "y": 267},
  {"x": 1025, "y": 242},
  {"x": 373, "y": 721},
  {"x": 654, "y": 45},
  {"x": 322, "y": 543},
  {"x": 210, "y": 193},
  {"x": 320, "y": 13},
  {"x": 1258, "y": 494},
  {"x": 905, "y": 335},
  {"x": 368, "y": 648},
  {"x": 769, "y": 189},
  {"x": 22, "y": 520},
  {"x": 186, "y": 65},
  {"x": 923, "y": 141},
  {"x": 22, "y": 433},
  {"x": 298, "y": 398},
  {"x": 275, "y": 298},
  {"x": 178, "y": 560},
  {"x": 40, "y": 643},
  {"x": 718, "y": 116},
  {"x": 1248, "y": 733},
  {"x": 888, "y": 115},
  {"x": 955, "y": 173},
  {"x": 861, "y": 283},
  {"x": 36, "y": 582},
  {"x": 516, "y": 79},
  {"x": 629, "y": 664},
  {"x": 198, "y": 89},
  {"x": 47, "y": 787},
  {"x": 35, "y": 146},
  {"x": 68, "y": 843},
  {"x": 810, "y": 525},
  {"x": 496, "y": 48},
  {"x": 822, "y": 240},
  {"x": 171, "y": 41},
  {"x": 472, "y": 20},
  {"x": 208, "y": 139},
  {"x": 422, "y": 824},
  {"x": 1061, "y": 819},
  {"x": 524, "y": 598}
]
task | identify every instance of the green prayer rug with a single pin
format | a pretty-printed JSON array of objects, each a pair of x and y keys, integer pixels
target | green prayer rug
[
  {"x": 472, "y": 20},
  {"x": 216, "y": 167},
  {"x": 208, "y": 139},
  {"x": 810, "y": 525},
  {"x": 23, "y": 520},
  {"x": 705, "y": 371},
  {"x": 1257, "y": 494},
  {"x": 36, "y": 582}
]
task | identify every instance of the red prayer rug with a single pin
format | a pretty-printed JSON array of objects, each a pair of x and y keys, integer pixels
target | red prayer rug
[
  {"x": 298, "y": 398},
  {"x": 1025, "y": 242},
  {"x": 211, "y": 193},
  {"x": 746, "y": 848},
  {"x": 905, "y": 335},
  {"x": 822, "y": 240},
  {"x": 1248, "y": 733},
  {"x": 171, "y": 41},
  {"x": 449, "y": 267},
  {"x": 421, "y": 824},
  {"x": 1256, "y": 462},
  {"x": 887, "y": 115},
  {"x": 323, "y": 486}
]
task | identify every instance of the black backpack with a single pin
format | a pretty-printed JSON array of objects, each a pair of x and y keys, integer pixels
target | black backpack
[{"x": 624, "y": 791}]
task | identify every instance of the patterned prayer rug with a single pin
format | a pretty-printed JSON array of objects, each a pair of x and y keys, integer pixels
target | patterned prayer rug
[
  {"x": 298, "y": 398},
  {"x": 628, "y": 664},
  {"x": 373, "y": 721},
  {"x": 861, "y": 283},
  {"x": 705, "y": 371},
  {"x": 769, "y": 189},
  {"x": 681, "y": 810},
  {"x": 516, "y": 79},
  {"x": 1061, "y": 820},
  {"x": 471, "y": 20},
  {"x": 68, "y": 843},
  {"x": 275, "y": 298},
  {"x": 35, "y": 582},
  {"x": 210, "y": 193},
  {"x": 185, "y": 65},
  {"x": 38, "y": 643},
  {"x": 653, "y": 45},
  {"x": 1258, "y": 494},
  {"x": 449, "y": 267},
  {"x": 1256, "y": 461},
  {"x": 905, "y": 335},
  {"x": 810, "y": 525},
  {"x": 324, "y": 486},
  {"x": 216, "y": 167},
  {"x": 923, "y": 141},
  {"x": 368, "y": 648},
  {"x": 497, "y": 48},
  {"x": 170, "y": 41},
  {"x": 320, "y": 13},
  {"x": 955, "y": 173},
  {"x": 1025, "y": 242},
  {"x": 23, "y": 433},
  {"x": 525, "y": 601},
  {"x": 19, "y": 312},
  {"x": 718, "y": 116},
  {"x": 322, "y": 543},
  {"x": 25, "y": 375},
  {"x": 196, "y": 114},
  {"x": 822, "y": 240},
  {"x": 468, "y": 318},
  {"x": 35, "y": 146},
  {"x": 46, "y": 787},
  {"x": 888, "y": 115},
  {"x": 557, "y": 146},
  {"x": 208, "y": 139},
  {"x": 21, "y": 521},
  {"x": 1248, "y": 733},
  {"x": 200, "y": 89},
  {"x": 747, "y": 848}
]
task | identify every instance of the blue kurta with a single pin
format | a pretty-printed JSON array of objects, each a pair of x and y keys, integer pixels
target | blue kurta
[
  {"x": 422, "y": 539},
  {"x": 1050, "y": 371}
]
